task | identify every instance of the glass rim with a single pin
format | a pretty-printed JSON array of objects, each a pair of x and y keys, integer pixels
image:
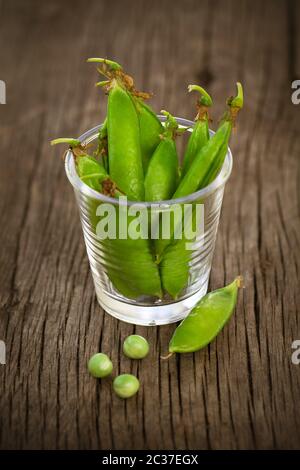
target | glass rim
[{"x": 90, "y": 136}]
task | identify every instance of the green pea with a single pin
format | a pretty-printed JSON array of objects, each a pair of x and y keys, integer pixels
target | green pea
[
  {"x": 206, "y": 319},
  {"x": 100, "y": 365},
  {"x": 136, "y": 347},
  {"x": 126, "y": 385}
]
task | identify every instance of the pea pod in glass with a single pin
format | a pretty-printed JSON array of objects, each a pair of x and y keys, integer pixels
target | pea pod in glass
[
  {"x": 198, "y": 138},
  {"x": 149, "y": 124},
  {"x": 136, "y": 268},
  {"x": 162, "y": 173},
  {"x": 124, "y": 152},
  {"x": 204, "y": 169},
  {"x": 150, "y": 130},
  {"x": 200, "y": 133},
  {"x": 209, "y": 159},
  {"x": 89, "y": 169},
  {"x": 129, "y": 263}
]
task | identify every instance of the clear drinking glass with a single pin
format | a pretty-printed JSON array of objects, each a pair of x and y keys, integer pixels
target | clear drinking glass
[{"x": 118, "y": 266}]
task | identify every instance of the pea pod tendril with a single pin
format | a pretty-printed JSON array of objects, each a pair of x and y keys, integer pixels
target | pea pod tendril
[{"x": 111, "y": 64}]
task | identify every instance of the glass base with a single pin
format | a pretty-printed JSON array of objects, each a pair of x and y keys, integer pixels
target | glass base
[{"x": 149, "y": 315}]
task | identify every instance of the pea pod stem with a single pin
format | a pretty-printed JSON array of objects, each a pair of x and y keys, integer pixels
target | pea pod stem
[
  {"x": 205, "y": 97},
  {"x": 164, "y": 358},
  {"x": 102, "y": 83},
  {"x": 110, "y": 63},
  {"x": 66, "y": 140},
  {"x": 235, "y": 104},
  {"x": 171, "y": 125},
  {"x": 238, "y": 100}
]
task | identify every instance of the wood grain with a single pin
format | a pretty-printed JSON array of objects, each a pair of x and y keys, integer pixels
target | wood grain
[{"x": 240, "y": 392}]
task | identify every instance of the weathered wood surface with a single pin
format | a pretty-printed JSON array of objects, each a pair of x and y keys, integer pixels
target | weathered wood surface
[{"x": 242, "y": 391}]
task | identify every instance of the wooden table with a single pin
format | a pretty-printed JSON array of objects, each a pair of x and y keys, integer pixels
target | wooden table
[{"x": 243, "y": 390}]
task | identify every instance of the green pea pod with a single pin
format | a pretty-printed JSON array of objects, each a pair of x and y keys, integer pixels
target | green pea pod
[
  {"x": 175, "y": 262},
  {"x": 205, "y": 160},
  {"x": 210, "y": 158},
  {"x": 125, "y": 161},
  {"x": 203, "y": 170},
  {"x": 200, "y": 133},
  {"x": 150, "y": 130},
  {"x": 162, "y": 173},
  {"x": 91, "y": 172},
  {"x": 89, "y": 169},
  {"x": 174, "y": 268},
  {"x": 129, "y": 263},
  {"x": 206, "y": 319},
  {"x": 216, "y": 166},
  {"x": 133, "y": 270},
  {"x": 150, "y": 126},
  {"x": 199, "y": 170},
  {"x": 123, "y": 132}
]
